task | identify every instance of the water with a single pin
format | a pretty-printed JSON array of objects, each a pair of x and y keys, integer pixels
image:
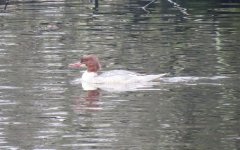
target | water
[{"x": 195, "y": 107}]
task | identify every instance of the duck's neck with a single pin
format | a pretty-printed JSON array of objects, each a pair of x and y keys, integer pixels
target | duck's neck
[{"x": 89, "y": 76}]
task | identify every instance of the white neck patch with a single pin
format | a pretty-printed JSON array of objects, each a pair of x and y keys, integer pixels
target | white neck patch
[{"x": 89, "y": 76}]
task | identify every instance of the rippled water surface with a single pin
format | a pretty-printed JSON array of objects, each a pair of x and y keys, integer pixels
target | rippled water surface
[{"x": 196, "y": 106}]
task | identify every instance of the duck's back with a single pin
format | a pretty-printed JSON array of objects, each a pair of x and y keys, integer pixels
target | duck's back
[{"x": 124, "y": 76}]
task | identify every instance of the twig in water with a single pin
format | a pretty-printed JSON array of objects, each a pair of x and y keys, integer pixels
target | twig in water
[
  {"x": 7, "y": 1},
  {"x": 96, "y": 5},
  {"x": 144, "y": 7},
  {"x": 176, "y": 5}
]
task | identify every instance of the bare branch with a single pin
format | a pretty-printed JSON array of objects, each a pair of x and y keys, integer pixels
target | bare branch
[
  {"x": 145, "y": 7},
  {"x": 176, "y": 5}
]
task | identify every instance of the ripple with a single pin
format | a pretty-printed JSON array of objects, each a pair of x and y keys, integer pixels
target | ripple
[
  {"x": 7, "y": 102},
  {"x": 9, "y": 87}
]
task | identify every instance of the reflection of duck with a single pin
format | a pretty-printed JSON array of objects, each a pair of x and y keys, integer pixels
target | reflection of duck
[
  {"x": 114, "y": 76},
  {"x": 88, "y": 103}
]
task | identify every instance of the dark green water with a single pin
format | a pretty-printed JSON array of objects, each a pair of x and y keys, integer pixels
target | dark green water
[{"x": 196, "y": 107}]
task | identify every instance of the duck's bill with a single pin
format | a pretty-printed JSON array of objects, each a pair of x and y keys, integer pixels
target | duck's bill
[{"x": 76, "y": 65}]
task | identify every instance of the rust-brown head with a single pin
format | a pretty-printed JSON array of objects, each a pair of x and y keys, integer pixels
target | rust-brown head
[{"x": 90, "y": 61}]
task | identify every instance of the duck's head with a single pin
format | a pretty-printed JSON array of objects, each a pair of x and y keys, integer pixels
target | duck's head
[{"x": 90, "y": 61}]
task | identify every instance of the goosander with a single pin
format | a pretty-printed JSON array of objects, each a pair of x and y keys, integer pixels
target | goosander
[{"x": 114, "y": 77}]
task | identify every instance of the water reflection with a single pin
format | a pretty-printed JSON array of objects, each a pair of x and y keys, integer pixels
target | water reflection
[
  {"x": 88, "y": 102},
  {"x": 40, "y": 109}
]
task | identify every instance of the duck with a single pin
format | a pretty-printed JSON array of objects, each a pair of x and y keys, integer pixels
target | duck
[{"x": 92, "y": 76}]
